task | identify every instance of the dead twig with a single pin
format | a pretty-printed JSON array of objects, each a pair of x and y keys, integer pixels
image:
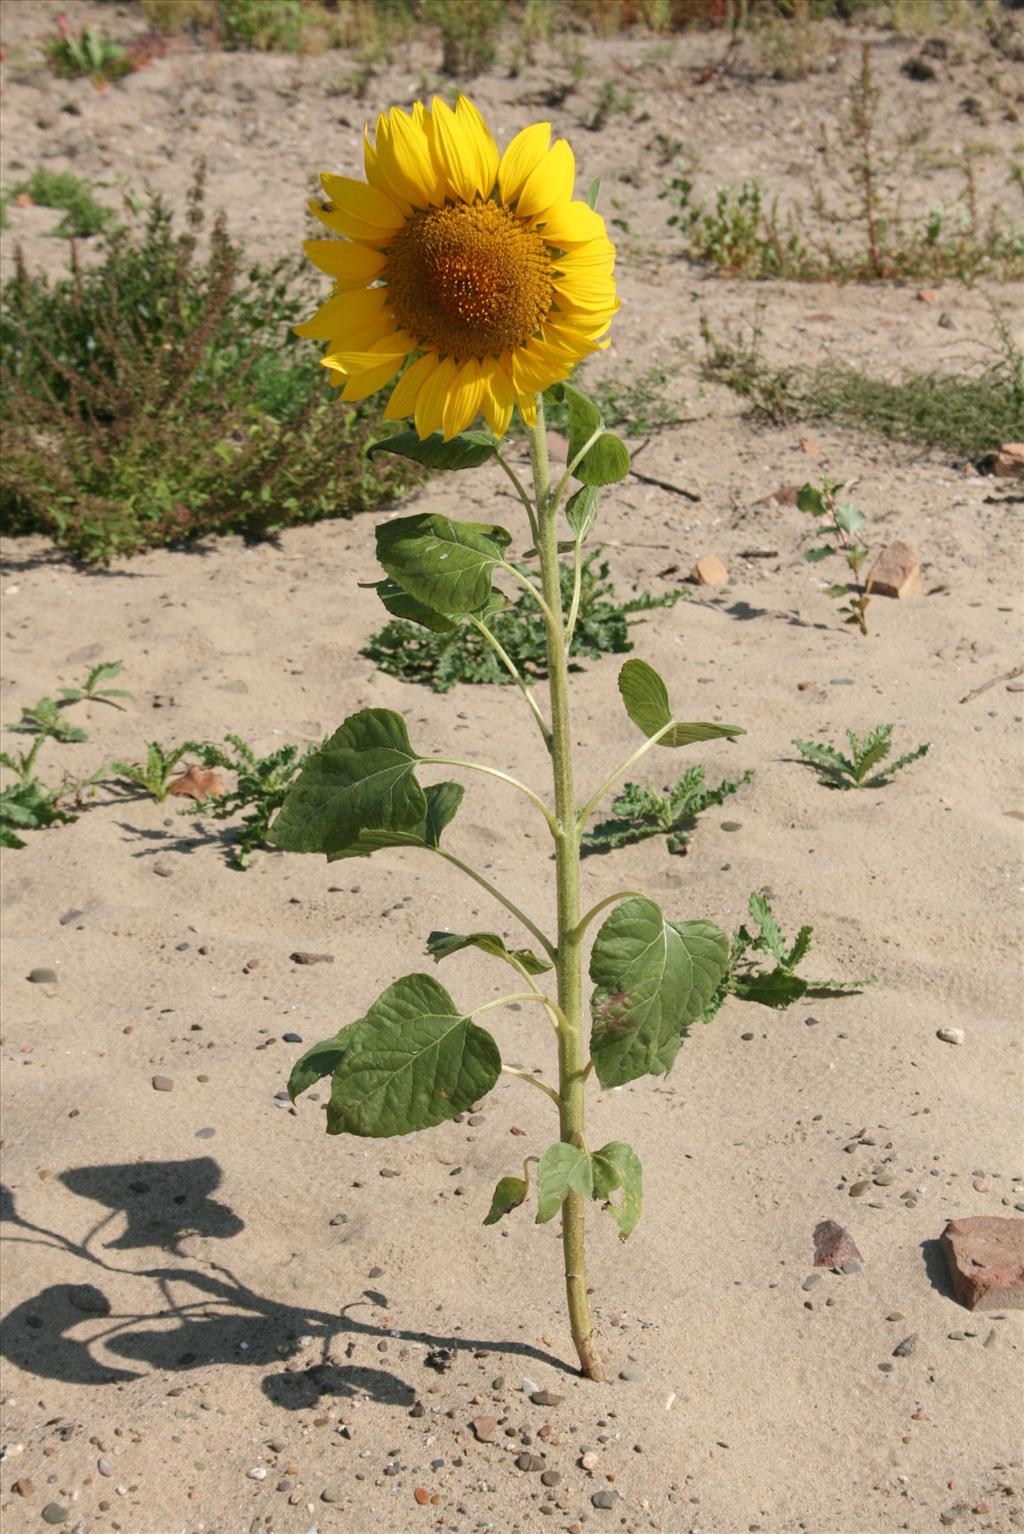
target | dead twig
[{"x": 1005, "y": 676}]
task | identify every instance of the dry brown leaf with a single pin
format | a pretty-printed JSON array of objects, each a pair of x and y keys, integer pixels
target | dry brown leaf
[{"x": 199, "y": 784}]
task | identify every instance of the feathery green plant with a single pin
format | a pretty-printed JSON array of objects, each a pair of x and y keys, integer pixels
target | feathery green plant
[
  {"x": 857, "y": 770},
  {"x": 640, "y": 812}
]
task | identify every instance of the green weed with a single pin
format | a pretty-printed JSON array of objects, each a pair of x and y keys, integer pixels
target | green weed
[
  {"x": 640, "y": 812},
  {"x": 843, "y": 522},
  {"x": 261, "y": 784},
  {"x": 857, "y": 770},
  {"x": 83, "y": 215},
  {"x": 88, "y": 52},
  {"x": 156, "y": 774},
  {"x": 441, "y": 661}
]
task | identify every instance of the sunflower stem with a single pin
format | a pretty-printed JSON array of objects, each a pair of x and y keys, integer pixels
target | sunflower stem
[{"x": 568, "y": 963}]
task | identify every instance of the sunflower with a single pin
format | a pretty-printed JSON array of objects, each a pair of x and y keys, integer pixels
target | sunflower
[{"x": 480, "y": 272}]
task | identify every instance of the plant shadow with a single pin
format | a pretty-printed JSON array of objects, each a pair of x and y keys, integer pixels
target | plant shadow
[{"x": 193, "y": 1316}]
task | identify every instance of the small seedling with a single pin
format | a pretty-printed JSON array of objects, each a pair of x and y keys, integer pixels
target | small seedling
[
  {"x": 640, "y": 811},
  {"x": 845, "y": 521},
  {"x": 855, "y": 771},
  {"x": 29, "y": 806},
  {"x": 89, "y": 52},
  {"x": 47, "y": 721},
  {"x": 156, "y": 774},
  {"x": 261, "y": 785},
  {"x": 778, "y": 986},
  {"x": 91, "y": 691}
]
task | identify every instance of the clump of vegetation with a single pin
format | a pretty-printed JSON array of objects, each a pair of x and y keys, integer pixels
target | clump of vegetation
[
  {"x": 161, "y": 396},
  {"x": 28, "y": 804},
  {"x": 261, "y": 784},
  {"x": 778, "y": 985},
  {"x": 967, "y": 415},
  {"x": 83, "y": 215},
  {"x": 443, "y": 659},
  {"x": 469, "y": 33},
  {"x": 742, "y": 234},
  {"x": 89, "y": 53},
  {"x": 844, "y": 522},
  {"x": 640, "y": 812},
  {"x": 156, "y": 774},
  {"x": 857, "y": 770}
]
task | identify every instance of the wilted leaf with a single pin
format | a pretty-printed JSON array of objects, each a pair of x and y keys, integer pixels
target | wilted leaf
[
  {"x": 508, "y": 1195},
  {"x": 198, "y": 783}
]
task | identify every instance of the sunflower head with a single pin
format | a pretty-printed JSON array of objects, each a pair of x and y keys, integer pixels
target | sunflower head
[{"x": 476, "y": 277}]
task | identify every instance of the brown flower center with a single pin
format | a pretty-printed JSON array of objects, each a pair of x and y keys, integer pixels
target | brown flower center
[{"x": 468, "y": 280}]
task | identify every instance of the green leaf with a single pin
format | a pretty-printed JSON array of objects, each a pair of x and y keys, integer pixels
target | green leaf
[
  {"x": 849, "y": 518},
  {"x": 581, "y": 509},
  {"x": 441, "y": 944},
  {"x": 869, "y": 752},
  {"x": 800, "y": 949},
  {"x": 593, "y": 192},
  {"x": 775, "y": 988},
  {"x": 361, "y": 779},
  {"x": 652, "y": 978},
  {"x": 316, "y": 1063},
  {"x": 561, "y": 1168},
  {"x": 901, "y": 761},
  {"x": 835, "y": 592},
  {"x": 812, "y": 556},
  {"x": 771, "y": 939},
  {"x": 646, "y": 699},
  {"x": 467, "y": 451},
  {"x": 443, "y": 799},
  {"x": 811, "y": 500},
  {"x": 446, "y": 565},
  {"x": 617, "y": 1165},
  {"x": 413, "y": 1061},
  {"x": 584, "y": 416},
  {"x": 606, "y": 463},
  {"x": 508, "y": 1195},
  {"x": 401, "y": 605}
]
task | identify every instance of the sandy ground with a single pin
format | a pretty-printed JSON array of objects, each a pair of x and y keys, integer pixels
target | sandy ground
[{"x": 219, "y": 1320}]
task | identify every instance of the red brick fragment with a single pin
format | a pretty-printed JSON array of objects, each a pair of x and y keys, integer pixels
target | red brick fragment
[
  {"x": 985, "y": 1255},
  {"x": 896, "y": 573}
]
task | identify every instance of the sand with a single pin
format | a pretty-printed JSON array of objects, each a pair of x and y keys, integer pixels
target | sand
[{"x": 218, "y": 1319}]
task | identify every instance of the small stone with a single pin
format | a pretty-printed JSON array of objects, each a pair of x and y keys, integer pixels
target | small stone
[
  {"x": 388, "y": 1171},
  {"x": 887, "y": 1367},
  {"x": 906, "y": 1347},
  {"x": 330, "y": 1494},
  {"x": 895, "y": 1315},
  {"x": 896, "y": 573},
  {"x": 849, "y": 1268},
  {"x": 810, "y": 1281},
  {"x": 163, "y": 870},
  {"x": 1009, "y": 463},
  {"x": 546, "y": 1398},
  {"x": 589, "y": 1461},
  {"x": 885, "y": 1179},
  {"x": 551, "y": 1477},
  {"x": 709, "y": 571},
  {"x": 858, "y": 1189},
  {"x": 833, "y": 1244},
  {"x": 91, "y": 1300},
  {"x": 529, "y": 1462},
  {"x": 43, "y": 976},
  {"x": 292, "y": 1038},
  {"x": 731, "y": 825},
  {"x": 951, "y": 1035},
  {"x": 605, "y": 1499},
  {"x": 485, "y": 1429},
  {"x": 311, "y": 958},
  {"x": 340, "y": 1219},
  {"x": 635, "y": 1375},
  {"x": 23, "y": 1486},
  {"x": 162, "y": 1084},
  {"x": 257, "y": 1473},
  {"x": 70, "y": 916},
  {"x": 54, "y": 1513},
  {"x": 985, "y": 1255},
  {"x": 422, "y": 1495}
]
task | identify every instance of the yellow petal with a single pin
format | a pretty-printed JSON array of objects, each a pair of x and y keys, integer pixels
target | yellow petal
[
  {"x": 462, "y": 404},
  {"x": 486, "y": 150},
  {"x": 359, "y": 385},
  {"x": 577, "y": 291},
  {"x": 550, "y": 183},
  {"x": 342, "y": 313},
  {"x": 498, "y": 398},
  {"x": 525, "y": 151},
  {"x": 454, "y": 151},
  {"x": 404, "y": 395},
  {"x": 528, "y": 408},
  {"x": 349, "y": 360},
  {"x": 360, "y": 211},
  {"x": 572, "y": 224},
  {"x": 599, "y": 254},
  {"x": 430, "y": 401},
  {"x": 351, "y": 266}
]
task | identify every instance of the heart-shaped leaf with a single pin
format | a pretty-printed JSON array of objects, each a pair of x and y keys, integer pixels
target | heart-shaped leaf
[
  {"x": 652, "y": 978},
  {"x": 467, "y": 451},
  {"x": 441, "y": 944},
  {"x": 646, "y": 698},
  {"x": 443, "y": 799},
  {"x": 561, "y": 1168},
  {"x": 361, "y": 779},
  {"x": 617, "y": 1165},
  {"x": 606, "y": 462},
  {"x": 413, "y": 1061},
  {"x": 508, "y": 1195},
  {"x": 444, "y": 564}
]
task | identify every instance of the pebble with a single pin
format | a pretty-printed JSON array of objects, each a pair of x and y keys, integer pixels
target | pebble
[
  {"x": 257, "y": 1473},
  {"x": 104, "y": 1466},
  {"x": 858, "y": 1189},
  {"x": 634, "y": 1374},
  {"x": 163, "y": 870},
  {"x": 54, "y": 1513},
  {"x": 23, "y": 1486},
  {"x": 422, "y": 1495},
  {"x": 951, "y": 1035},
  {"x": 375, "y": 1272},
  {"x": 330, "y": 1494},
  {"x": 70, "y": 916},
  {"x": 292, "y": 1038},
  {"x": 887, "y": 1367},
  {"x": 529, "y": 1462},
  {"x": 589, "y": 1461},
  {"x": 205, "y": 1134},
  {"x": 340, "y": 1219},
  {"x": 163, "y": 1084},
  {"x": 895, "y": 1315},
  {"x": 906, "y": 1347},
  {"x": 485, "y": 1429},
  {"x": 730, "y": 825},
  {"x": 311, "y": 958},
  {"x": 43, "y": 976},
  {"x": 605, "y": 1499},
  {"x": 810, "y": 1281},
  {"x": 551, "y": 1477},
  {"x": 885, "y": 1179},
  {"x": 849, "y": 1268},
  {"x": 546, "y": 1398}
]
